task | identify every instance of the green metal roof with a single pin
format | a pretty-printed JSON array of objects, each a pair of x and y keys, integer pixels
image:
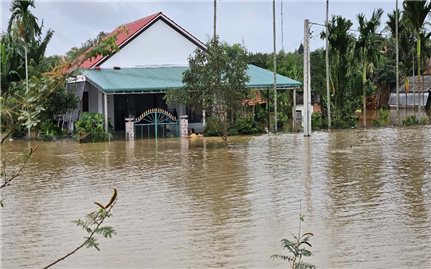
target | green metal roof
[{"x": 152, "y": 79}]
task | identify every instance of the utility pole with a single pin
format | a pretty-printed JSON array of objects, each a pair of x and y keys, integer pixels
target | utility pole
[
  {"x": 275, "y": 67},
  {"x": 328, "y": 95},
  {"x": 215, "y": 18},
  {"x": 396, "y": 62},
  {"x": 281, "y": 26},
  {"x": 307, "y": 82}
]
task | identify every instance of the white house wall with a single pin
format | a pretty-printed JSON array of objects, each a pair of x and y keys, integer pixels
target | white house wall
[
  {"x": 96, "y": 102},
  {"x": 301, "y": 108},
  {"x": 93, "y": 98},
  {"x": 100, "y": 102},
  {"x": 160, "y": 44}
]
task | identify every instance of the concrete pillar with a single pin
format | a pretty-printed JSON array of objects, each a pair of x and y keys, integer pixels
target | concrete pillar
[
  {"x": 105, "y": 96},
  {"x": 184, "y": 126},
  {"x": 204, "y": 118},
  {"x": 130, "y": 128}
]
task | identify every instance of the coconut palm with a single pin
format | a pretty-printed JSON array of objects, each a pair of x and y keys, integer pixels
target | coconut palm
[
  {"x": 416, "y": 13},
  {"x": 368, "y": 49}
]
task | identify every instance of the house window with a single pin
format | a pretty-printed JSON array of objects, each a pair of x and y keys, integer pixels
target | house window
[{"x": 298, "y": 115}]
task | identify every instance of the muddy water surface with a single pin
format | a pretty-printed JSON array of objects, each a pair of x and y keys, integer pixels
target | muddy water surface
[{"x": 365, "y": 194}]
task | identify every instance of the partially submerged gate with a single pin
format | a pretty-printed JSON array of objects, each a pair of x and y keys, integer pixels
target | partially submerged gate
[{"x": 156, "y": 122}]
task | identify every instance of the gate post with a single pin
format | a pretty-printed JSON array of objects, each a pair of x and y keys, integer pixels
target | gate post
[
  {"x": 130, "y": 128},
  {"x": 184, "y": 126}
]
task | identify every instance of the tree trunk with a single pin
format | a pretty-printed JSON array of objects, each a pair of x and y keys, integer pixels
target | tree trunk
[
  {"x": 418, "y": 48},
  {"x": 364, "y": 84},
  {"x": 328, "y": 96},
  {"x": 224, "y": 123}
]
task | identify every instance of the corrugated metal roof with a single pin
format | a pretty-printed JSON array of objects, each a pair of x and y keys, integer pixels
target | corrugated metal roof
[
  {"x": 419, "y": 100},
  {"x": 128, "y": 80}
]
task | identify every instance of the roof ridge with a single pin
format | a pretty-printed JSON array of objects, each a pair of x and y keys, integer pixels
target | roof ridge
[{"x": 142, "y": 19}]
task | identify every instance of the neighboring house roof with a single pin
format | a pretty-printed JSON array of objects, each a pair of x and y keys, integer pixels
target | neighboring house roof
[
  {"x": 414, "y": 85},
  {"x": 407, "y": 100},
  {"x": 417, "y": 84},
  {"x": 126, "y": 33},
  {"x": 155, "y": 79}
]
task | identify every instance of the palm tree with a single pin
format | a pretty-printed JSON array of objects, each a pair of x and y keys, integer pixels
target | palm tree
[
  {"x": 340, "y": 43},
  {"x": 26, "y": 24},
  {"x": 416, "y": 12},
  {"x": 25, "y": 21},
  {"x": 27, "y": 27},
  {"x": 368, "y": 49}
]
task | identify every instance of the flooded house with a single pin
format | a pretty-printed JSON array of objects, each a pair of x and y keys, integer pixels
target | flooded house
[{"x": 131, "y": 83}]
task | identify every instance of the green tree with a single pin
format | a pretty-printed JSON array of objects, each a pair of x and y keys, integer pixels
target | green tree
[
  {"x": 406, "y": 39},
  {"x": 23, "y": 46},
  {"x": 341, "y": 43},
  {"x": 368, "y": 49},
  {"x": 25, "y": 21},
  {"x": 215, "y": 81},
  {"x": 416, "y": 13},
  {"x": 26, "y": 24}
]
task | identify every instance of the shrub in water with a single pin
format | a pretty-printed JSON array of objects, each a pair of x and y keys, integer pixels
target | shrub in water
[
  {"x": 383, "y": 118},
  {"x": 244, "y": 126},
  {"x": 317, "y": 121},
  {"x": 91, "y": 128}
]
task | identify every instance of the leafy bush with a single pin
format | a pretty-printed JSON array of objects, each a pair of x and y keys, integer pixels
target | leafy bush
[
  {"x": 212, "y": 127},
  {"x": 412, "y": 120},
  {"x": 383, "y": 118},
  {"x": 241, "y": 126},
  {"x": 317, "y": 122},
  {"x": 48, "y": 131},
  {"x": 261, "y": 115},
  {"x": 91, "y": 128},
  {"x": 244, "y": 126},
  {"x": 339, "y": 122}
]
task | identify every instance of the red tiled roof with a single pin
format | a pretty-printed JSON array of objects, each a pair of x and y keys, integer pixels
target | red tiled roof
[{"x": 124, "y": 33}]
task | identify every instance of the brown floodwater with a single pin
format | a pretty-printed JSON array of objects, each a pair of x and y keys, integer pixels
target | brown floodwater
[{"x": 365, "y": 194}]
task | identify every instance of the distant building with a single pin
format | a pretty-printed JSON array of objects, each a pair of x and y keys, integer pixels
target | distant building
[{"x": 407, "y": 98}]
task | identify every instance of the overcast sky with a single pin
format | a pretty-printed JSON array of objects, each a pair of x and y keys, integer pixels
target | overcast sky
[{"x": 238, "y": 21}]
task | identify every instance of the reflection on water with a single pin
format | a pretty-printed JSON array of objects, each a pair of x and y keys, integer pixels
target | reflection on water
[{"x": 365, "y": 195}]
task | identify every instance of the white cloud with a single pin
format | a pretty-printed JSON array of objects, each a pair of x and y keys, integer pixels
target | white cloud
[{"x": 76, "y": 21}]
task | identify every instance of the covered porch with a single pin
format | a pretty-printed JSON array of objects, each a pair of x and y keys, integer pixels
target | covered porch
[{"x": 122, "y": 93}]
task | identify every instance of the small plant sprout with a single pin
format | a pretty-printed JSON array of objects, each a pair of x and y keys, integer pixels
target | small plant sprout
[
  {"x": 92, "y": 224},
  {"x": 297, "y": 248}
]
